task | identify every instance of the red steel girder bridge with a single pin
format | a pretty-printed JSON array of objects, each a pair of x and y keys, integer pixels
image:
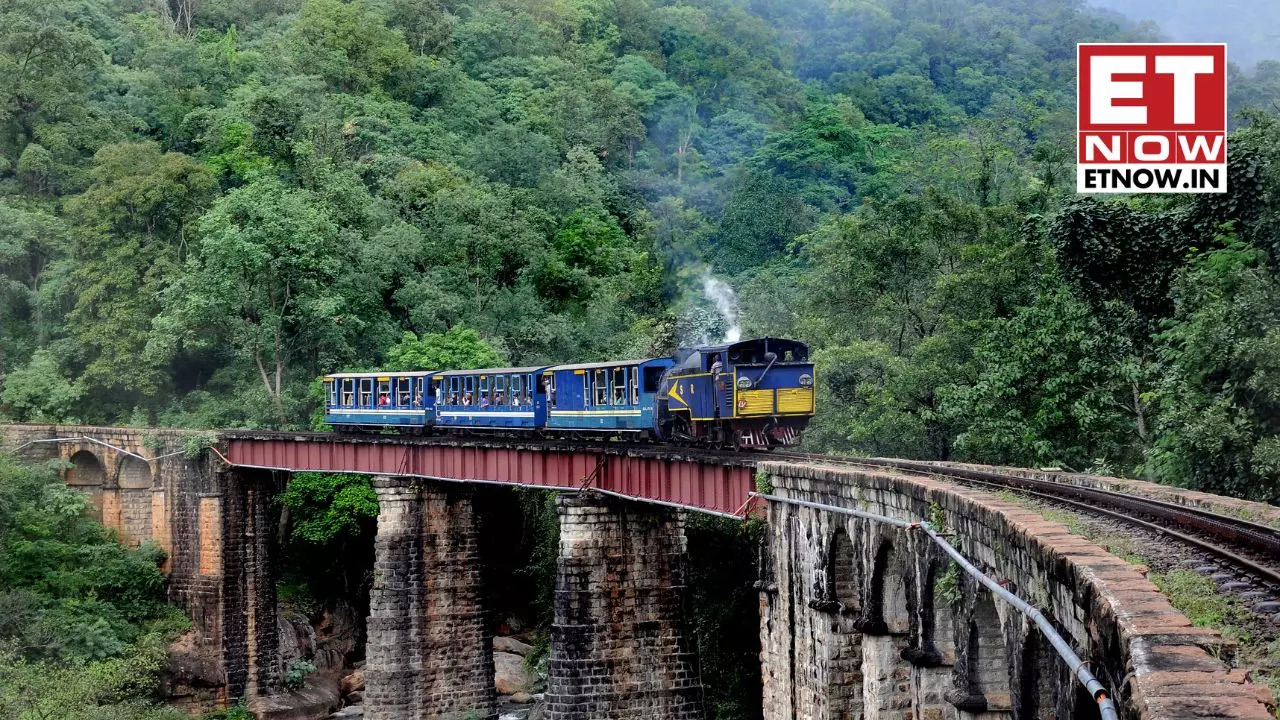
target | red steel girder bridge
[{"x": 709, "y": 481}]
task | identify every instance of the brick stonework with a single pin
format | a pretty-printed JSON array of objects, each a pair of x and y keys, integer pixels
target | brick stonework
[
  {"x": 159, "y": 529},
  {"x": 963, "y": 653},
  {"x": 250, "y": 640},
  {"x": 209, "y": 535},
  {"x": 135, "y": 515},
  {"x": 429, "y": 652},
  {"x": 621, "y": 642}
]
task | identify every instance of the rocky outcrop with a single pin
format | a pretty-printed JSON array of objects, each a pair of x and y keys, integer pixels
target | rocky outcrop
[
  {"x": 193, "y": 674},
  {"x": 297, "y": 637},
  {"x": 327, "y": 643},
  {"x": 510, "y": 676},
  {"x": 511, "y": 645},
  {"x": 353, "y": 683},
  {"x": 316, "y": 700},
  {"x": 339, "y": 633}
]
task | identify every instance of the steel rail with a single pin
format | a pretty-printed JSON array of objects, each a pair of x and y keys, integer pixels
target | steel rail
[
  {"x": 1262, "y": 537},
  {"x": 1259, "y": 538}
]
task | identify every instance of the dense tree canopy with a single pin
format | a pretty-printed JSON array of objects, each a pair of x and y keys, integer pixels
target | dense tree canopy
[
  {"x": 83, "y": 621},
  {"x": 207, "y": 205}
]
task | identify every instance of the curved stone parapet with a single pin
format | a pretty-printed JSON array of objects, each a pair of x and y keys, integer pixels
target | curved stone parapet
[{"x": 863, "y": 619}]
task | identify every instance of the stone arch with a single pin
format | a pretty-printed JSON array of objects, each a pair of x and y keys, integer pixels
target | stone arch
[
  {"x": 86, "y": 470},
  {"x": 87, "y": 475},
  {"x": 888, "y": 597},
  {"x": 133, "y": 473},
  {"x": 1034, "y": 696},
  {"x": 887, "y": 677},
  {"x": 844, "y": 679},
  {"x": 842, "y": 578},
  {"x": 987, "y": 659},
  {"x": 938, "y": 611},
  {"x": 133, "y": 476},
  {"x": 935, "y": 653}
]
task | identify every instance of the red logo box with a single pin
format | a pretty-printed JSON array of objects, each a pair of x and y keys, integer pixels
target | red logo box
[{"x": 1151, "y": 118}]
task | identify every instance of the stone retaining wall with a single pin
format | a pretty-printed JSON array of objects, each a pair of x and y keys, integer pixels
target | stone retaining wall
[{"x": 962, "y": 653}]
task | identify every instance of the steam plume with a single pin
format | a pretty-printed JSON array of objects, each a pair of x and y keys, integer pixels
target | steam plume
[{"x": 726, "y": 302}]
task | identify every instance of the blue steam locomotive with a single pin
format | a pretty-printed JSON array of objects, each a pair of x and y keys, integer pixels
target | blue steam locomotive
[{"x": 748, "y": 394}]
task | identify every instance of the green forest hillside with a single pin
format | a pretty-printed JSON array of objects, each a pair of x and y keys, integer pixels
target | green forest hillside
[{"x": 206, "y": 204}]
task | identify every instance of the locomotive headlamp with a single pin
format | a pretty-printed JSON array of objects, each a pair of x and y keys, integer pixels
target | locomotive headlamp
[
  {"x": 744, "y": 383},
  {"x": 806, "y": 380}
]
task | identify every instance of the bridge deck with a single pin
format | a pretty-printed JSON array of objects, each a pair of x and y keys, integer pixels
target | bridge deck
[{"x": 715, "y": 482}]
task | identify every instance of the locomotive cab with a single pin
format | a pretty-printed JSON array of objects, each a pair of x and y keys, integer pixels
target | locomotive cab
[{"x": 754, "y": 393}]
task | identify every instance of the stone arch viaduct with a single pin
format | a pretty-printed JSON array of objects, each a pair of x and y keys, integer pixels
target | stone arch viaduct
[{"x": 858, "y": 619}]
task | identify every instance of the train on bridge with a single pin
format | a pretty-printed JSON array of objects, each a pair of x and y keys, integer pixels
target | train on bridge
[{"x": 755, "y": 393}]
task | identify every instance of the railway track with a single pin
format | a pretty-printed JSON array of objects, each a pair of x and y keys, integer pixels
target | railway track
[{"x": 1251, "y": 548}]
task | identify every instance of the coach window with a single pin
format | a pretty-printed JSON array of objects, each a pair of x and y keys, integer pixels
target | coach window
[
  {"x": 366, "y": 392},
  {"x": 500, "y": 390},
  {"x": 404, "y": 391},
  {"x": 619, "y": 386},
  {"x": 601, "y": 388},
  {"x": 469, "y": 391},
  {"x": 348, "y": 392},
  {"x": 332, "y": 387},
  {"x": 635, "y": 385},
  {"x": 484, "y": 391},
  {"x": 384, "y": 391},
  {"x": 517, "y": 390}
]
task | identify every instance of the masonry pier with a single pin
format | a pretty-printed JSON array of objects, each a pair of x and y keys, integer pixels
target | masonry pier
[
  {"x": 622, "y": 645},
  {"x": 429, "y": 650}
]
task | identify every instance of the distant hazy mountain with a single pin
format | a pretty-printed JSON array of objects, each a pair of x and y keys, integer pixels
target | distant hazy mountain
[{"x": 1251, "y": 28}]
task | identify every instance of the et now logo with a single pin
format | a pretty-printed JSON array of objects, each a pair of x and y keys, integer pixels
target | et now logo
[{"x": 1151, "y": 118}]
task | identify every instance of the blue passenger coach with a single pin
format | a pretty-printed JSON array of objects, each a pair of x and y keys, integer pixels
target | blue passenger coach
[
  {"x": 756, "y": 393},
  {"x": 490, "y": 398},
  {"x": 378, "y": 398},
  {"x": 615, "y": 396}
]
